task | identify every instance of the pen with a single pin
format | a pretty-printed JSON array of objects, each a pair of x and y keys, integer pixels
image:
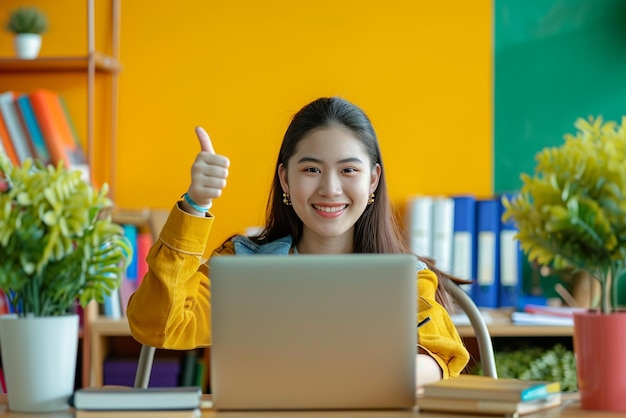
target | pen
[{"x": 423, "y": 321}]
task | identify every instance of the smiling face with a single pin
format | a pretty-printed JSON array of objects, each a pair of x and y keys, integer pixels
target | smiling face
[{"x": 329, "y": 179}]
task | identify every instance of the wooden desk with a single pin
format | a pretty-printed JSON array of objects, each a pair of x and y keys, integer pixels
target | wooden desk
[{"x": 570, "y": 409}]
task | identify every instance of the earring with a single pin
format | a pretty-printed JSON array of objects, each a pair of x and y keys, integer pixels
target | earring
[
  {"x": 286, "y": 199},
  {"x": 371, "y": 199}
]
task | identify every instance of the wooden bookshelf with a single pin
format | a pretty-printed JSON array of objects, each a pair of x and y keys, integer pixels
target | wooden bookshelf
[
  {"x": 80, "y": 64},
  {"x": 91, "y": 63}
]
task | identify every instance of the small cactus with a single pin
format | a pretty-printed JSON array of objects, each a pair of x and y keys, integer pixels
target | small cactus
[{"x": 27, "y": 20}]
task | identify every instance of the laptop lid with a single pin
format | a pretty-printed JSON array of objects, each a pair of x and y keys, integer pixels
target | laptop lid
[{"x": 313, "y": 331}]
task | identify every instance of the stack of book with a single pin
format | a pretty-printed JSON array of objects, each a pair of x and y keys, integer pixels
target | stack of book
[
  {"x": 125, "y": 402},
  {"x": 471, "y": 394},
  {"x": 545, "y": 315}
]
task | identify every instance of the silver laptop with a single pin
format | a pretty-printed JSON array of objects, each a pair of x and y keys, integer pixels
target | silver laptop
[{"x": 313, "y": 332}]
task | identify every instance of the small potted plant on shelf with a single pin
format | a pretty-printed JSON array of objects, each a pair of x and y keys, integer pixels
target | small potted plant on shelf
[
  {"x": 58, "y": 247},
  {"x": 27, "y": 24},
  {"x": 572, "y": 214}
]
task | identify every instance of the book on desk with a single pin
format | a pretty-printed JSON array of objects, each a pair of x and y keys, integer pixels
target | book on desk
[
  {"x": 486, "y": 395},
  {"x": 184, "y": 413},
  {"x": 489, "y": 407},
  {"x": 151, "y": 399}
]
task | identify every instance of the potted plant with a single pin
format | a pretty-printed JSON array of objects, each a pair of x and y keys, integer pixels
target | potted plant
[
  {"x": 57, "y": 247},
  {"x": 28, "y": 24},
  {"x": 572, "y": 214}
]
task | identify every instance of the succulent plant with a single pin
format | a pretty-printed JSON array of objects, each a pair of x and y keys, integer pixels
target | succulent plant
[
  {"x": 27, "y": 20},
  {"x": 572, "y": 211}
]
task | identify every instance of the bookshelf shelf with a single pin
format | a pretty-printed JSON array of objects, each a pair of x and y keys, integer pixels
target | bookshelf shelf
[
  {"x": 70, "y": 63},
  {"x": 510, "y": 330},
  {"x": 110, "y": 327},
  {"x": 91, "y": 64},
  {"x": 501, "y": 326}
]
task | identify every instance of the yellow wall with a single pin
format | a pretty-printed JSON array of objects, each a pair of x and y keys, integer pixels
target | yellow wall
[{"x": 420, "y": 69}]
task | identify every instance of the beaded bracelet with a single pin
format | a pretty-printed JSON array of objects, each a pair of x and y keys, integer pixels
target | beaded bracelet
[{"x": 194, "y": 204}]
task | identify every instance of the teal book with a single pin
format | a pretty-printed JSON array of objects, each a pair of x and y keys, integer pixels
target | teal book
[{"x": 32, "y": 129}]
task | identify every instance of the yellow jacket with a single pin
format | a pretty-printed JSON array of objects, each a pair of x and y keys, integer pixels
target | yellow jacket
[{"x": 172, "y": 307}]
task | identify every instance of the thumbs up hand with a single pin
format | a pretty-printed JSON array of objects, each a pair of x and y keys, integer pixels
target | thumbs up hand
[{"x": 208, "y": 175}]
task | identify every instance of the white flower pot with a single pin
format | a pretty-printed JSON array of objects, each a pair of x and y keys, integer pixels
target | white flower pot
[
  {"x": 39, "y": 361},
  {"x": 27, "y": 45}
]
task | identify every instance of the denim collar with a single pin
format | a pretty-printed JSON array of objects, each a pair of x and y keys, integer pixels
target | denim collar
[{"x": 244, "y": 246}]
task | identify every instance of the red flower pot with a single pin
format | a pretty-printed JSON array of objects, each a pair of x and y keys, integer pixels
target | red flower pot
[{"x": 600, "y": 349}]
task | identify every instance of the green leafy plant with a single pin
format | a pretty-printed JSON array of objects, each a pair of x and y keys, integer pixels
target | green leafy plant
[
  {"x": 27, "y": 20},
  {"x": 56, "y": 244},
  {"x": 556, "y": 364},
  {"x": 572, "y": 212}
]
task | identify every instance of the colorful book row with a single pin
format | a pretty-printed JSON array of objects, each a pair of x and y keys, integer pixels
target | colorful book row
[
  {"x": 467, "y": 238},
  {"x": 115, "y": 304},
  {"x": 37, "y": 125}
]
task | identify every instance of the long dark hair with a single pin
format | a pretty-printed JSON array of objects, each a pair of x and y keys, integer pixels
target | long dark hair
[{"x": 377, "y": 230}]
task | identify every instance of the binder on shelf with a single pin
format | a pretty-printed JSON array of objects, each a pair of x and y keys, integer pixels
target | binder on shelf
[
  {"x": 464, "y": 239},
  {"x": 420, "y": 215},
  {"x": 14, "y": 126},
  {"x": 511, "y": 264},
  {"x": 32, "y": 129},
  {"x": 443, "y": 232},
  {"x": 486, "y": 287}
]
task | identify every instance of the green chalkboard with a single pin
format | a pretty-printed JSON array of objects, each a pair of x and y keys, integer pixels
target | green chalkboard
[{"x": 555, "y": 61}]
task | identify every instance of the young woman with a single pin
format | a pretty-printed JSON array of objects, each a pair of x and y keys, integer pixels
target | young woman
[{"x": 329, "y": 196}]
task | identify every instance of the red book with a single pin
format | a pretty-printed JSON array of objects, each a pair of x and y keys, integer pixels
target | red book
[
  {"x": 4, "y": 304},
  {"x": 560, "y": 311},
  {"x": 144, "y": 242},
  {"x": 57, "y": 130},
  {"x": 3, "y": 385}
]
